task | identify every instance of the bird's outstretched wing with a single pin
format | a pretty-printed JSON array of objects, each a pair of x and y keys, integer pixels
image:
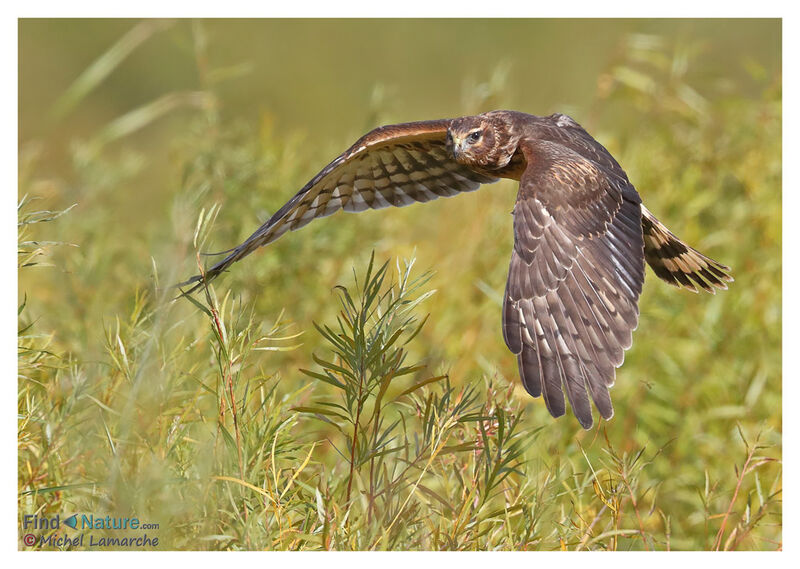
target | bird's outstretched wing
[
  {"x": 576, "y": 273},
  {"x": 393, "y": 165}
]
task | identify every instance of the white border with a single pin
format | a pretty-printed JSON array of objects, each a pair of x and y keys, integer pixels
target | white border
[{"x": 407, "y": 8}]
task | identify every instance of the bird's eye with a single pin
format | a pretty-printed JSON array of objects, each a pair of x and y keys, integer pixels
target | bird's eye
[{"x": 474, "y": 136}]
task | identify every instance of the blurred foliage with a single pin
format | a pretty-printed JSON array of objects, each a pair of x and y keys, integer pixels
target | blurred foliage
[{"x": 197, "y": 416}]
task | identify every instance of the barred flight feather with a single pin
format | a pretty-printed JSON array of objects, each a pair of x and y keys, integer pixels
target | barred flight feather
[{"x": 381, "y": 170}]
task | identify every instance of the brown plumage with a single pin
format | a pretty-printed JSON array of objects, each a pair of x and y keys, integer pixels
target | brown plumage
[{"x": 581, "y": 236}]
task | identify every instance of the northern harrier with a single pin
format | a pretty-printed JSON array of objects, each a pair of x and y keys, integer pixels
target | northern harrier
[{"x": 581, "y": 236}]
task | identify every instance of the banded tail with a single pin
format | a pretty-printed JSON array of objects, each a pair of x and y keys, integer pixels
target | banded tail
[{"x": 678, "y": 264}]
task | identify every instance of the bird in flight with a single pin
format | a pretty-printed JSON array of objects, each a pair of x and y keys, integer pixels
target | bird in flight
[{"x": 581, "y": 236}]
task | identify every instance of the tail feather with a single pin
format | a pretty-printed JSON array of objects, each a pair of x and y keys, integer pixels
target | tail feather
[{"x": 676, "y": 263}]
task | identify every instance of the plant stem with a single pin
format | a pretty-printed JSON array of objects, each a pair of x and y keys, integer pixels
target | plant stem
[
  {"x": 355, "y": 436},
  {"x": 733, "y": 500}
]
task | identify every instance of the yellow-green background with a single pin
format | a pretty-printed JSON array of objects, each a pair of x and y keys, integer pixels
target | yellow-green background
[{"x": 252, "y": 109}]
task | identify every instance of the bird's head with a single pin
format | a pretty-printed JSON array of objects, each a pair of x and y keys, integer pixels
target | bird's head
[{"x": 486, "y": 141}]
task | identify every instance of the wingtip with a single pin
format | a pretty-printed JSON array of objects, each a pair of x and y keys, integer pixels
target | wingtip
[
  {"x": 218, "y": 253},
  {"x": 195, "y": 282}
]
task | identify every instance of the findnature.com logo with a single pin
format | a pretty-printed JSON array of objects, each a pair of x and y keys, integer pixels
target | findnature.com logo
[{"x": 116, "y": 532}]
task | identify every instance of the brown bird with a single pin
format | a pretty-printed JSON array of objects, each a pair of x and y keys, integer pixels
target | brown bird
[{"x": 581, "y": 236}]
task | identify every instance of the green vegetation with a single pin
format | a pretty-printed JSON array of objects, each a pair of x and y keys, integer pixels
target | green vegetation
[{"x": 320, "y": 395}]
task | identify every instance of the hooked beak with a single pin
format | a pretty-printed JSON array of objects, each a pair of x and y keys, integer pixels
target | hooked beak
[{"x": 454, "y": 144}]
